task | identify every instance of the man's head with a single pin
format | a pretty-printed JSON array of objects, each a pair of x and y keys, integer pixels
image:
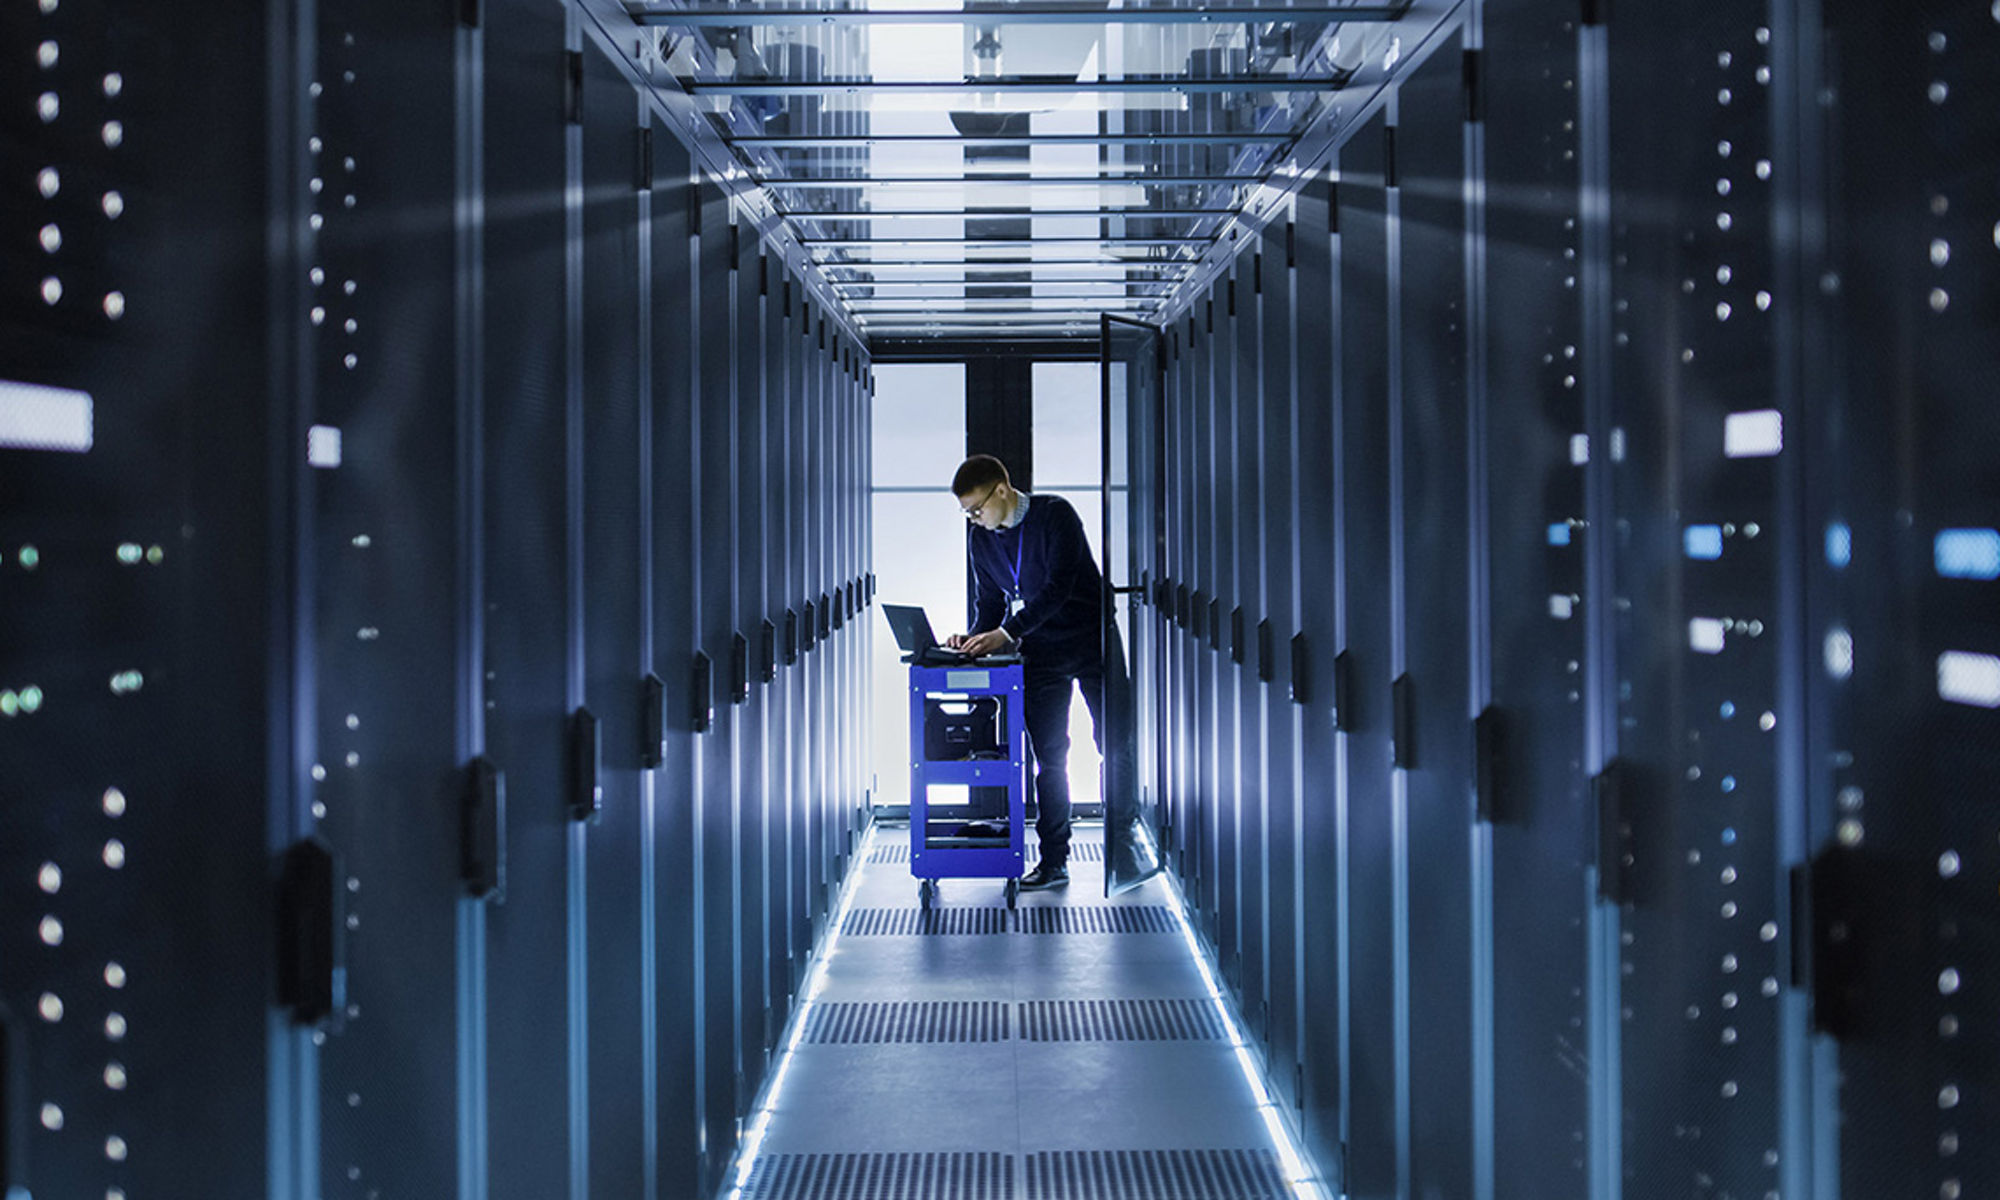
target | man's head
[{"x": 983, "y": 490}]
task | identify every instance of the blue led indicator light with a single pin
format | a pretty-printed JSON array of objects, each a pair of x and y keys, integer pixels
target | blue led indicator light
[
  {"x": 1728, "y": 709},
  {"x": 1729, "y": 783},
  {"x": 1839, "y": 544},
  {"x": 1967, "y": 553},
  {"x": 1729, "y": 836},
  {"x": 1559, "y": 533},
  {"x": 1703, "y": 542}
]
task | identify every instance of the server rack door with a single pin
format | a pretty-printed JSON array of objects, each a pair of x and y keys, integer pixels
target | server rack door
[
  {"x": 717, "y": 791},
  {"x": 752, "y": 701},
  {"x": 1906, "y": 838},
  {"x": 1695, "y": 480},
  {"x": 1320, "y": 922},
  {"x": 1376, "y": 1117},
  {"x": 1244, "y": 893},
  {"x": 614, "y": 612},
  {"x": 813, "y": 545},
  {"x": 674, "y": 424},
  {"x": 1206, "y": 484},
  {"x": 527, "y": 626},
  {"x": 1535, "y": 505},
  {"x": 803, "y": 825},
  {"x": 780, "y": 490},
  {"x": 1436, "y": 616},
  {"x": 384, "y": 619},
  {"x": 1277, "y": 880},
  {"x": 767, "y": 673},
  {"x": 1187, "y": 797},
  {"x": 1233, "y": 308},
  {"x": 137, "y": 573},
  {"x": 1129, "y": 388}
]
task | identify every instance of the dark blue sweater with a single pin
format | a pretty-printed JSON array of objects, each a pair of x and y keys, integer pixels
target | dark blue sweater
[{"x": 1060, "y": 623}]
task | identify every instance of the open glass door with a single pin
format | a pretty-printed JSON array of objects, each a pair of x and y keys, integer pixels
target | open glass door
[{"x": 1129, "y": 385}]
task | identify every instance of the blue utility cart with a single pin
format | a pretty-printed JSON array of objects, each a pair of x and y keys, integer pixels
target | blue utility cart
[{"x": 968, "y": 775}]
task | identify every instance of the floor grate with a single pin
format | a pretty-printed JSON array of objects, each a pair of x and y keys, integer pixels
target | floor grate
[
  {"x": 1097, "y": 918},
  {"x": 941, "y": 1176},
  {"x": 1156, "y": 1175},
  {"x": 1078, "y": 851},
  {"x": 890, "y": 854},
  {"x": 928, "y": 1021},
  {"x": 885, "y": 922},
  {"x": 1121, "y": 1021}
]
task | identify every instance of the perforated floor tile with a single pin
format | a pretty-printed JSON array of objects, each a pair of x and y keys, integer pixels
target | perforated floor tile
[
  {"x": 913, "y": 1176},
  {"x": 1155, "y": 1175}
]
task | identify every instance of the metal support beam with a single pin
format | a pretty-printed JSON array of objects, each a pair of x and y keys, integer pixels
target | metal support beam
[
  {"x": 1016, "y": 263},
  {"x": 1016, "y": 243},
  {"x": 974, "y": 214},
  {"x": 762, "y": 141},
  {"x": 1151, "y": 272},
  {"x": 953, "y": 181},
  {"x": 1023, "y": 84},
  {"x": 1023, "y": 14},
  {"x": 946, "y": 289}
]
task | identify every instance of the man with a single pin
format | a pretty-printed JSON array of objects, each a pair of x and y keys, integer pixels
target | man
[{"x": 1036, "y": 589}]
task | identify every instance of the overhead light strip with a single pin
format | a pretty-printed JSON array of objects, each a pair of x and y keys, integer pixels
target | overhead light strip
[
  {"x": 977, "y": 180},
  {"x": 738, "y": 16},
  {"x": 1001, "y": 243},
  {"x": 1178, "y": 85},
  {"x": 787, "y": 141},
  {"x": 975, "y": 214}
]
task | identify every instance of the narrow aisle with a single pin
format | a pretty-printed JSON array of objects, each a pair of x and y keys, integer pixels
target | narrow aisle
[{"x": 1070, "y": 1051}]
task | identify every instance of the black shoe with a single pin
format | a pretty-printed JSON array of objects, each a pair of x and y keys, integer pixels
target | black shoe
[{"x": 1045, "y": 876}]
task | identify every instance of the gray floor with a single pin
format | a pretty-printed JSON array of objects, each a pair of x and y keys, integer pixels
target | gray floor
[{"x": 1067, "y": 1052}]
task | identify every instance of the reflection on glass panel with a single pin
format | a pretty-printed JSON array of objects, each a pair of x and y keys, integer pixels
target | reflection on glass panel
[
  {"x": 919, "y": 557},
  {"x": 919, "y": 551},
  {"x": 919, "y": 421},
  {"x": 1068, "y": 428}
]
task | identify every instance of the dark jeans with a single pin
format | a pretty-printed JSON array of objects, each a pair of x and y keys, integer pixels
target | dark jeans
[{"x": 1047, "y": 712}]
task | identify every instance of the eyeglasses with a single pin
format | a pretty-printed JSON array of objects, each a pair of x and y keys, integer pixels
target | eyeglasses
[{"x": 972, "y": 514}]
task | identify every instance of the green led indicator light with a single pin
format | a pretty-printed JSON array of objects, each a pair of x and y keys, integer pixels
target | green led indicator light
[
  {"x": 30, "y": 558},
  {"x": 129, "y": 553},
  {"x": 155, "y": 555},
  {"x": 10, "y": 704},
  {"x": 31, "y": 699}
]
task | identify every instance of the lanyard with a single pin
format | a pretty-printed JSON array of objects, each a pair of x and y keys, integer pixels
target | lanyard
[{"x": 1015, "y": 566}]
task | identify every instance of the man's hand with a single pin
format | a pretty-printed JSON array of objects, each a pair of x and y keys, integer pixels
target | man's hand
[
  {"x": 956, "y": 641},
  {"x": 979, "y": 645}
]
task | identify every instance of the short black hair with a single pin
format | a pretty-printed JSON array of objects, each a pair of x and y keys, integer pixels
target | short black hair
[{"x": 979, "y": 471}]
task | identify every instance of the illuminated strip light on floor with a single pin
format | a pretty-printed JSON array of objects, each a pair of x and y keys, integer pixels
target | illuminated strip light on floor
[
  {"x": 1298, "y": 1176},
  {"x": 815, "y": 982}
]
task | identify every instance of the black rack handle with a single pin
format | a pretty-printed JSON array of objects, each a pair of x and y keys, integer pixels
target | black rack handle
[
  {"x": 1403, "y": 724},
  {"x": 739, "y": 668},
  {"x": 311, "y": 934},
  {"x": 586, "y": 764},
  {"x": 1301, "y": 670},
  {"x": 483, "y": 832},
  {"x": 701, "y": 696},
  {"x": 652, "y": 721}
]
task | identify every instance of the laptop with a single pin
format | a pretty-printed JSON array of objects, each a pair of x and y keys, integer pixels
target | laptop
[{"x": 912, "y": 628}]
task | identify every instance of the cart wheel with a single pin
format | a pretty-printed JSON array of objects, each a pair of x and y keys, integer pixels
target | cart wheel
[
  {"x": 1013, "y": 891},
  {"x": 927, "y": 894}
]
